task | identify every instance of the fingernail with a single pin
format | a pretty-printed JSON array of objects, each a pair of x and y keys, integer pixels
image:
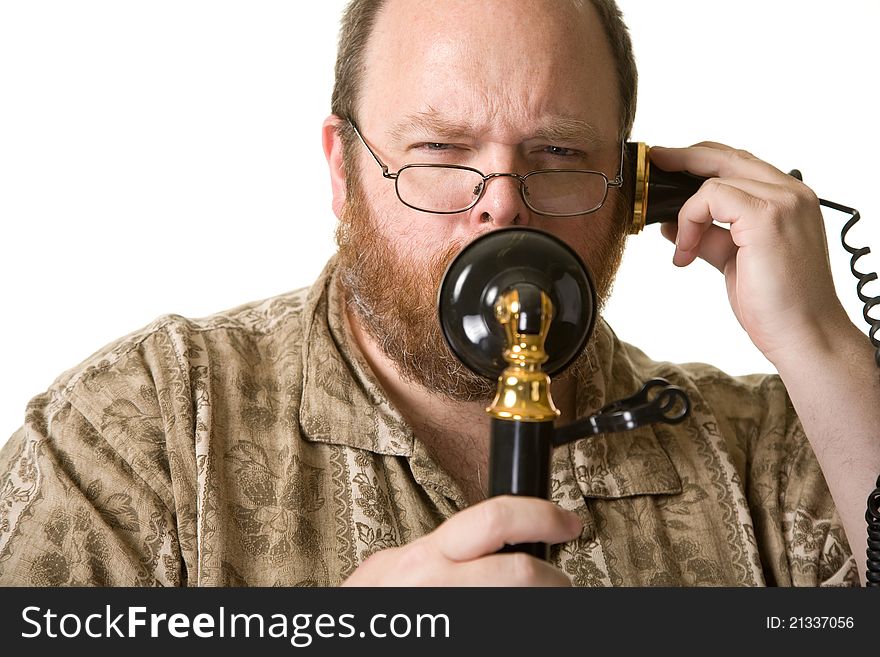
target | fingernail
[{"x": 574, "y": 521}]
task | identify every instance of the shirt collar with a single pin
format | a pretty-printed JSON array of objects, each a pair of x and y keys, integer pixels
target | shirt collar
[{"x": 343, "y": 404}]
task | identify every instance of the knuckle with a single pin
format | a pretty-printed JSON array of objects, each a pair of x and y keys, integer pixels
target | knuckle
[
  {"x": 740, "y": 154},
  {"x": 710, "y": 185},
  {"x": 708, "y": 143},
  {"x": 806, "y": 196},
  {"x": 775, "y": 211},
  {"x": 416, "y": 564},
  {"x": 789, "y": 205},
  {"x": 791, "y": 202},
  {"x": 496, "y": 517},
  {"x": 414, "y": 556},
  {"x": 709, "y": 188}
]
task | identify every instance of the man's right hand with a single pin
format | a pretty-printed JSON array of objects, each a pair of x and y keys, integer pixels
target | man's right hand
[{"x": 462, "y": 551}]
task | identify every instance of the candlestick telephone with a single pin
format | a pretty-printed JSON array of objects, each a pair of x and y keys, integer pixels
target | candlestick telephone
[{"x": 517, "y": 305}]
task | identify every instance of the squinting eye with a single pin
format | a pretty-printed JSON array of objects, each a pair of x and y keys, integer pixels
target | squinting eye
[
  {"x": 435, "y": 146},
  {"x": 561, "y": 151}
]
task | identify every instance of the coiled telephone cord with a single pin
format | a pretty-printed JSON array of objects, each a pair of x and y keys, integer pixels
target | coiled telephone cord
[{"x": 872, "y": 514}]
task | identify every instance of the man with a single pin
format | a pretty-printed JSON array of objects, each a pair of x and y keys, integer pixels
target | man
[{"x": 327, "y": 437}]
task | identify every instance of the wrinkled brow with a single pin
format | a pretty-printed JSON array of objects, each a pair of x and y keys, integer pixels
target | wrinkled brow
[
  {"x": 557, "y": 129},
  {"x": 431, "y": 123},
  {"x": 567, "y": 129}
]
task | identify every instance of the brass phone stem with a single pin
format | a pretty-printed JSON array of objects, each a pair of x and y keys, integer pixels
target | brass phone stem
[{"x": 523, "y": 388}]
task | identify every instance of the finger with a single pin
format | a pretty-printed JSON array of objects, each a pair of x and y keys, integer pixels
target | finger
[
  {"x": 716, "y": 201},
  {"x": 688, "y": 235},
  {"x": 718, "y": 145},
  {"x": 488, "y": 526},
  {"x": 771, "y": 191},
  {"x": 716, "y": 247},
  {"x": 509, "y": 569},
  {"x": 714, "y": 161}
]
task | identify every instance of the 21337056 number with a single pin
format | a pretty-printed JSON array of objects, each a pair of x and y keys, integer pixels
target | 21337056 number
[{"x": 810, "y": 622}]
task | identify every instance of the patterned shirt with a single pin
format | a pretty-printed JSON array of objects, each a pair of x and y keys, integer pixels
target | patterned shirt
[{"x": 255, "y": 448}]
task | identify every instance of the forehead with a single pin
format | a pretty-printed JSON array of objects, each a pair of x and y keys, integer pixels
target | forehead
[{"x": 502, "y": 68}]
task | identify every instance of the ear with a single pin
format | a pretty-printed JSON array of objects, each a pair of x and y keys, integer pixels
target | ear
[{"x": 333, "y": 152}]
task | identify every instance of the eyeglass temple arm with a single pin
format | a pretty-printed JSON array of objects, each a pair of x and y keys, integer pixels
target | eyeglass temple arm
[
  {"x": 381, "y": 164},
  {"x": 618, "y": 181}
]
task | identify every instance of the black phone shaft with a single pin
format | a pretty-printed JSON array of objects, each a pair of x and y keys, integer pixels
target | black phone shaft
[{"x": 519, "y": 464}]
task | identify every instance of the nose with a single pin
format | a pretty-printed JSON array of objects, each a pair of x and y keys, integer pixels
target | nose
[{"x": 501, "y": 203}]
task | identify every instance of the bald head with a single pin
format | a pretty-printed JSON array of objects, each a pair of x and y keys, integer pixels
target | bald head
[
  {"x": 517, "y": 28},
  {"x": 497, "y": 66}
]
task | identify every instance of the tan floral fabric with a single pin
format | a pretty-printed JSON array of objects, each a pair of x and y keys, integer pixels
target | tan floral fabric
[{"x": 251, "y": 448}]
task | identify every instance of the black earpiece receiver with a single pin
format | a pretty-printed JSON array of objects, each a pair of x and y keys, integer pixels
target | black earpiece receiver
[{"x": 657, "y": 195}]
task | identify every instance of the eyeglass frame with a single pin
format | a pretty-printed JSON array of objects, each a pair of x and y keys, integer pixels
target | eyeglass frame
[{"x": 617, "y": 182}]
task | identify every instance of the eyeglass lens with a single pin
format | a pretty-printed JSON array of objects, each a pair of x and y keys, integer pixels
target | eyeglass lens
[{"x": 447, "y": 189}]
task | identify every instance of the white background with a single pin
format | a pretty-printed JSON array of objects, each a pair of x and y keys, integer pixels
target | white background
[{"x": 162, "y": 156}]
